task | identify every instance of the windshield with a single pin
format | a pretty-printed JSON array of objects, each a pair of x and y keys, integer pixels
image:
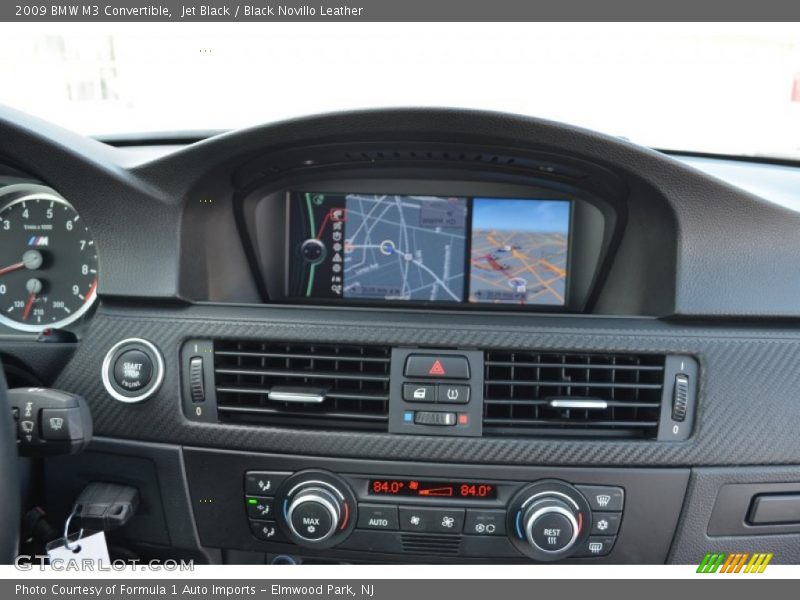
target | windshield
[{"x": 725, "y": 89}]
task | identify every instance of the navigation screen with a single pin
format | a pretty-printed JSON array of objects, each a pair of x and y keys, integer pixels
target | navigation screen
[
  {"x": 416, "y": 248},
  {"x": 379, "y": 246},
  {"x": 519, "y": 251}
]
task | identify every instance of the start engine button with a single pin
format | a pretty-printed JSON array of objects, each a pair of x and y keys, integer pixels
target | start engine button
[{"x": 133, "y": 370}]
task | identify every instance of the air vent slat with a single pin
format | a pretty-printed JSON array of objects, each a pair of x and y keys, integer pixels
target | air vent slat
[
  {"x": 543, "y": 422},
  {"x": 580, "y": 383},
  {"x": 301, "y": 374},
  {"x": 622, "y": 393},
  {"x": 578, "y": 366},
  {"x": 352, "y": 380},
  {"x": 334, "y": 395},
  {"x": 610, "y": 403},
  {"x": 295, "y": 413},
  {"x": 309, "y": 356}
]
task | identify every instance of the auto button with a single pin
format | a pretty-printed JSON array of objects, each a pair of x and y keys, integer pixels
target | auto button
[{"x": 377, "y": 516}]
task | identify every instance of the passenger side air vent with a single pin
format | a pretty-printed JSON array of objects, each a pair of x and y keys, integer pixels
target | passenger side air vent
[
  {"x": 308, "y": 385},
  {"x": 533, "y": 393}
]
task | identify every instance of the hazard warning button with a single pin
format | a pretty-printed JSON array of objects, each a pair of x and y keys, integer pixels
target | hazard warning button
[{"x": 437, "y": 366}]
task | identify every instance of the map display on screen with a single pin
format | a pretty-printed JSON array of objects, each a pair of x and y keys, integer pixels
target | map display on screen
[
  {"x": 519, "y": 251},
  {"x": 428, "y": 249}
]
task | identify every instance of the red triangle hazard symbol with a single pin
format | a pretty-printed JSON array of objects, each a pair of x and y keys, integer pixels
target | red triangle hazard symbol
[{"x": 436, "y": 369}]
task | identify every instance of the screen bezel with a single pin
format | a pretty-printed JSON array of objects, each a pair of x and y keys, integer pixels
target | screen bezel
[
  {"x": 597, "y": 227},
  {"x": 293, "y": 195}
]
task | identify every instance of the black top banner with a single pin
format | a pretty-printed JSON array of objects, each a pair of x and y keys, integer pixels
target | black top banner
[{"x": 398, "y": 10}]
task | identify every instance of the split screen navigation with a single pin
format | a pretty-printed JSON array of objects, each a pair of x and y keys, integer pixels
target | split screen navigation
[{"x": 423, "y": 249}]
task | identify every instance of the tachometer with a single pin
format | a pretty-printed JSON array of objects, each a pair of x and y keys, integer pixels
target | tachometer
[{"x": 48, "y": 262}]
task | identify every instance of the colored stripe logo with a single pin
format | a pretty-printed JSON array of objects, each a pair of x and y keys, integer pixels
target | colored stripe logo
[
  {"x": 39, "y": 240},
  {"x": 737, "y": 562}
]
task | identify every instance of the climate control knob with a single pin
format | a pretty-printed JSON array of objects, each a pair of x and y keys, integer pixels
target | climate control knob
[
  {"x": 547, "y": 519},
  {"x": 550, "y": 525},
  {"x": 316, "y": 509},
  {"x": 313, "y": 514}
]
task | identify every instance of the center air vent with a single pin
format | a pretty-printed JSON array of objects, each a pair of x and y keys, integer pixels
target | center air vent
[
  {"x": 309, "y": 385},
  {"x": 534, "y": 393}
]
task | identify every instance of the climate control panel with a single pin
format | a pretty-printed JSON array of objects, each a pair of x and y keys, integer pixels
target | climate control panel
[{"x": 544, "y": 520}]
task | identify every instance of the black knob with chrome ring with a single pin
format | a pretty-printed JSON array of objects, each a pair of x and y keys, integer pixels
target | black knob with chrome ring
[
  {"x": 547, "y": 519},
  {"x": 317, "y": 509}
]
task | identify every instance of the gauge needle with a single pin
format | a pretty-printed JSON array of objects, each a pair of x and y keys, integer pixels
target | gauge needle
[
  {"x": 28, "y": 306},
  {"x": 11, "y": 268}
]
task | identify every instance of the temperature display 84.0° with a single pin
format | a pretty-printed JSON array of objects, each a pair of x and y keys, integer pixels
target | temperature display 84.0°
[{"x": 432, "y": 489}]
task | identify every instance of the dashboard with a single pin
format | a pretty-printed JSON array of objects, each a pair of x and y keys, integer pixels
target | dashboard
[{"x": 408, "y": 336}]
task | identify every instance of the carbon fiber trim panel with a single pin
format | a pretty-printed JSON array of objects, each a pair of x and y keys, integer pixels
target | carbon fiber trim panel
[{"x": 748, "y": 401}]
